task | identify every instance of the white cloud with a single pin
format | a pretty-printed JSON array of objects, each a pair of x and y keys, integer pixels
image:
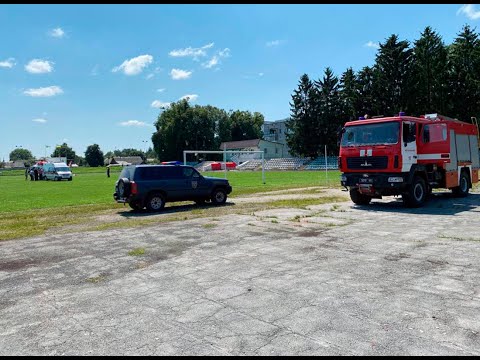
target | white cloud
[
  {"x": 149, "y": 76},
  {"x": 469, "y": 11},
  {"x": 273, "y": 43},
  {"x": 260, "y": 74},
  {"x": 133, "y": 123},
  {"x": 40, "y": 120},
  {"x": 57, "y": 33},
  {"x": 38, "y": 66},
  {"x": 215, "y": 60},
  {"x": 195, "y": 53},
  {"x": 160, "y": 90},
  {"x": 159, "y": 104},
  {"x": 135, "y": 65},
  {"x": 372, "y": 44},
  {"x": 189, "y": 97},
  {"x": 178, "y": 74},
  {"x": 9, "y": 63},
  {"x": 44, "y": 92},
  {"x": 94, "y": 71},
  {"x": 224, "y": 53},
  {"x": 212, "y": 62}
]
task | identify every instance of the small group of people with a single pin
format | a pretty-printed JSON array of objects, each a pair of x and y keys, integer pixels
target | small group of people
[{"x": 35, "y": 173}]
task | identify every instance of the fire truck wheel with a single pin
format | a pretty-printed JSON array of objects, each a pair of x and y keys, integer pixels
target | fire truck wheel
[
  {"x": 462, "y": 190},
  {"x": 416, "y": 193},
  {"x": 359, "y": 199}
]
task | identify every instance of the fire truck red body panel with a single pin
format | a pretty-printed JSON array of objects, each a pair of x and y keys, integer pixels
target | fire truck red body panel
[{"x": 436, "y": 148}]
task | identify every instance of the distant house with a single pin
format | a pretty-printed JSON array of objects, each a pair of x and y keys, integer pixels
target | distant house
[
  {"x": 123, "y": 161},
  {"x": 19, "y": 164},
  {"x": 276, "y": 131},
  {"x": 271, "y": 149}
]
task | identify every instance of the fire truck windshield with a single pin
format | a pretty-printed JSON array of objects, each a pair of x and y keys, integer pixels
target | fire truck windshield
[{"x": 371, "y": 134}]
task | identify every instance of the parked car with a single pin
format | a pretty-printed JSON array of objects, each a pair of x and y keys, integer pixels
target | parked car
[
  {"x": 56, "y": 171},
  {"x": 151, "y": 186}
]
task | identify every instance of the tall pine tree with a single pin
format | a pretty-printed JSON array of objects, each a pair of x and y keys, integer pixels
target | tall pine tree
[
  {"x": 330, "y": 116},
  {"x": 393, "y": 63},
  {"x": 429, "y": 81},
  {"x": 348, "y": 92},
  {"x": 464, "y": 59},
  {"x": 301, "y": 127}
]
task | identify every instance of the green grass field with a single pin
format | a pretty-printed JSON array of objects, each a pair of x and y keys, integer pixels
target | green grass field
[
  {"x": 33, "y": 208},
  {"x": 90, "y": 186}
]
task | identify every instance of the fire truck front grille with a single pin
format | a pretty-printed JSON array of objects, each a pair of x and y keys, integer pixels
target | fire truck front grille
[{"x": 367, "y": 162}]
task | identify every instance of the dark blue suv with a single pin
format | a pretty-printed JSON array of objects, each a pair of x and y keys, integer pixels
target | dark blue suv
[{"x": 151, "y": 186}]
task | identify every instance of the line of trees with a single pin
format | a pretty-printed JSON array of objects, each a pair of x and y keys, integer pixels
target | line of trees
[
  {"x": 424, "y": 77},
  {"x": 185, "y": 127},
  {"x": 94, "y": 156}
]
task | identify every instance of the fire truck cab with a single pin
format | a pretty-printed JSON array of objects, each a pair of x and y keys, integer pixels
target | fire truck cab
[{"x": 408, "y": 156}]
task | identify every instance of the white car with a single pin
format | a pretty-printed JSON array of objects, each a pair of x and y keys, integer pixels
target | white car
[{"x": 56, "y": 171}]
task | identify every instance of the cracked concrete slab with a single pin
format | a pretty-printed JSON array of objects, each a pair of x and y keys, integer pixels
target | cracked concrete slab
[{"x": 325, "y": 280}]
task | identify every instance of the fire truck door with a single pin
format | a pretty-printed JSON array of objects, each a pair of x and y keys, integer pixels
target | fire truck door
[{"x": 409, "y": 145}]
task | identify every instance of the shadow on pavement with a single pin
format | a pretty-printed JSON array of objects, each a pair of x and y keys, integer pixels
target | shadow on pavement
[
  {"x": 441, "y": 203},
  {"x": 170, "y": 209}
]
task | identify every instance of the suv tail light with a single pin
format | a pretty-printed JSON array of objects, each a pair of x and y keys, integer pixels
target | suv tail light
[{"x": 133, "y": 188}]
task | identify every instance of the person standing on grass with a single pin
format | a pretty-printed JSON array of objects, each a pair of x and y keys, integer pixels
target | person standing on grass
[
  {"x": 35, "y": 174},
  {"x": 108, "y": 171},
  {"x": 26, "y": 173}
]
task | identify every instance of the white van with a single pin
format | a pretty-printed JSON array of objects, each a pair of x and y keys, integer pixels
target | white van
[{"x": 56, "y": 171}]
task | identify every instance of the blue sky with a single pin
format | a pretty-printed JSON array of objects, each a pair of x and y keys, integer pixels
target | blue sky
[{"x": 88, "y": 74}]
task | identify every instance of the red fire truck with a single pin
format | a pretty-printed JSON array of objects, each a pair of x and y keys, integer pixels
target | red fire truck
[{"x": 408, "y": 156}]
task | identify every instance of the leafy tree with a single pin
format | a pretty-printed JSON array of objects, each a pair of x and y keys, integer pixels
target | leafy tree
[
  {"x": 464, "y": 58},
  {"x": 150, "y": 154},
  {"x": 302, "y": 126},
  {"x": 20, "y": 154},
  {"x": 393, "y": 65},
  {"x": 80, "y": 161},
  {"x": 64, "y": 151},
  {"x": 94, "y": 156},
  {"x": 185, "y": 127},
  {"x": 429, "y": 80},
  {"x": 245, "y": 125}
]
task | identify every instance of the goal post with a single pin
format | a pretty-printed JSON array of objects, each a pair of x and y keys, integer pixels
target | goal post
[{"x": 225, "y": 152}]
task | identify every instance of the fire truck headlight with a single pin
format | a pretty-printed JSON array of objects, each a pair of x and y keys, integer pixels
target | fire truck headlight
[{"x": 395, "y": 179}]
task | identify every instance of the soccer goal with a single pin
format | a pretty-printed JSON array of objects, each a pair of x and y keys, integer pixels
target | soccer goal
[{"x": 245, "y": 156}]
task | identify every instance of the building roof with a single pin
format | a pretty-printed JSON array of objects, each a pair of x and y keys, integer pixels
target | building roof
[
  {"x": 240, "y": 144},
  {"x": 133, "y": 160}
]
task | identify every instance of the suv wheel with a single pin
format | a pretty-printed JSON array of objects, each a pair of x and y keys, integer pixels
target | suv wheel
[
  {"x": 135, "y": 205},
  {"x": 155, "y": 202},
  {"x": 123, "y": 188},
  {"x": 219, "y": 196}
]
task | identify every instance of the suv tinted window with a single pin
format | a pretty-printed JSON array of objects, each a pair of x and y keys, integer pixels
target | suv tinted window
[
  {"x": 126, "y": 173},
  {"x": 157, "y": 173},
  {"x": 189, "y": 172}
]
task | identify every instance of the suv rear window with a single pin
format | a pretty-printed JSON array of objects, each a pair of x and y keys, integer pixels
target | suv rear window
[{"x": 126, "y": 173}]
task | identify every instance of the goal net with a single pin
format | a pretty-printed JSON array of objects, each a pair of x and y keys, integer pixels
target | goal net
[{"x": 225, "y": 160}]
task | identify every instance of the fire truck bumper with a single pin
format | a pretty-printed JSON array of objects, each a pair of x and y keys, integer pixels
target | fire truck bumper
[{"x": 376, "y": 183}]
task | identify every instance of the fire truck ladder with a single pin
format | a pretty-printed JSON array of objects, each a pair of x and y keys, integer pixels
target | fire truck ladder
[{"x": 475, "y": 122}]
